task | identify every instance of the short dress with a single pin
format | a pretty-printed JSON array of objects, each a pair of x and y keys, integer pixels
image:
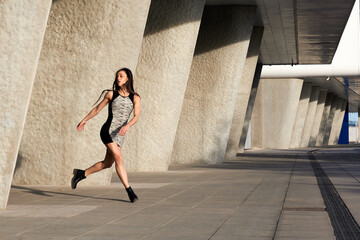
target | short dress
[{"x": 120, "y": 109}]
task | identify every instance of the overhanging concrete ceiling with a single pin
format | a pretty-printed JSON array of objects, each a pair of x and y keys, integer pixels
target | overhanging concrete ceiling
[{"x": 298, "y": 31}]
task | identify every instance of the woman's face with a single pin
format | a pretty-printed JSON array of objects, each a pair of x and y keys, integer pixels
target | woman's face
[{"x": 122, "y": 78}]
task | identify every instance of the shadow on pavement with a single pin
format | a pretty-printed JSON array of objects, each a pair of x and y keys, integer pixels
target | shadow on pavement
[{"x": 48, "y": 193}]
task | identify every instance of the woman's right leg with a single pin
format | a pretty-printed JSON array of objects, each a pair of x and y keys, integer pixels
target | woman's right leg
[
  {"x": 106, "y": 163},
  {"x": 119, "y": 165}
]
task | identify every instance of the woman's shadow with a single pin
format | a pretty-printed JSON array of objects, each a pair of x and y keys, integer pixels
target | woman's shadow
[{"x": 48, "y": 194}]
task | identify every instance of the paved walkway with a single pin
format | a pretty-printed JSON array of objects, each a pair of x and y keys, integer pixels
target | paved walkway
[{"x": 260, "y": 195}]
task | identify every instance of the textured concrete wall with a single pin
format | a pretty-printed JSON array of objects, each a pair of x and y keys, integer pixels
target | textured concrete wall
[
  {"x": 329, "y": 121},
  {"x": 84, "y": 44},
  {"x": 318, "y": 117},
  {"x": 310, "y": 116},
  {"x": 161, "y": 78},
  {"x": 274, "y": 113},
  {"x": 256, "y": 134},
  {"x": 213, "y": 84},
  {"x": 245, "y": 137},
  {"x": 22, "y": 27},
  {"x": 337, "y": 122},
  {"x": 301, "y": 115},
  {"x": 321, "y": 134},
  {"x": 242, "y": 101}
]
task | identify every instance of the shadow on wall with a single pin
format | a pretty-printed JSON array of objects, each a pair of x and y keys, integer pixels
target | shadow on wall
[
  {"x": 167, "y": 18},
  {"x": 218, "y": 153},
  {"x": 209, "y": 39},
  {"x": 19, "y": 161},
  {"x": 210, "y": 17}
]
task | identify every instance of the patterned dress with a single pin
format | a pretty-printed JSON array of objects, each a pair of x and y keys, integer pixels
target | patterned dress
[{"x": 120, "y": 109}]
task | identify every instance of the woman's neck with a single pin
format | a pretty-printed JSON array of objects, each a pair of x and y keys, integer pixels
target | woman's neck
[{"x": 124, "y": 90}]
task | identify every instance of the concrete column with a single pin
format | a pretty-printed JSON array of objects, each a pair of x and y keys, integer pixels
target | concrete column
[
  {"x": 85, "y": 43},
  {"x": 330, "y": 120},
  {"x": 324, "y": 118},
  {"x": 337, "y": 122},
  {"x": 333, "y": 129},
  {"x": 246, "y": 81},
  {"x": 340, "y": 122},
  {"x": 249, "y": 110},
  {"x": 274, "y": 113},
  {"x": 22, "y": 27},
  {"x": 161, "y": 77},
  {"x": 318, "y": 117},
  {"x": 212, "y": 89},
  {"x": 301, "y": 115},
  {"x": 310, "y": 116}
]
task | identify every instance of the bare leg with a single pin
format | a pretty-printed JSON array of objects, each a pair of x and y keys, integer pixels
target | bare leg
[
  {"x": 106, "y": 163},
  {"x": 119, "y": 166}
]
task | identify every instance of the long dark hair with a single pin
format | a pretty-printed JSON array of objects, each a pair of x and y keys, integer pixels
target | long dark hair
[{"x": 129, "y": 85}]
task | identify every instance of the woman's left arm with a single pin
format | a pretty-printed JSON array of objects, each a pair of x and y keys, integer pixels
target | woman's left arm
[{"x": 137, "y": 107}]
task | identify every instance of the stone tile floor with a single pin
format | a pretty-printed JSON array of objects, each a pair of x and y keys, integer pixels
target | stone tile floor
[{"x": 269, "y": 194}]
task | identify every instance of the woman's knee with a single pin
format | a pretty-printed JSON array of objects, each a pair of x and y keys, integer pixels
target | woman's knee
[{"x": 118, "y": 159}]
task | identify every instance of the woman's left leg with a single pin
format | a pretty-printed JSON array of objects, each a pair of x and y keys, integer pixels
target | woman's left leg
[
  {"x": 82, "y": 174},
  {"x": 106, "y": 163}
]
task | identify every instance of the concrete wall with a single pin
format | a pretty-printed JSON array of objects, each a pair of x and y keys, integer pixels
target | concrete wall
[
  {"x": 161, "y": 77},
  {"x": 318, "y": 117},
  {"x": 337, "y": 122},
  {"x": 22, "y": 27},
  {"x": 212, "y": 88},
  {"x": 310, "y": 116},
  {"x": 85, "y": 43},
  {"x": 329, "y": 121},
  {"x": 274, "y": 112},
  {"x": 324, "y": 119},
  {"x": 245, "y": 137},
  {"x": 242, "y": 101},
  {"x": 301, "y": 115}
]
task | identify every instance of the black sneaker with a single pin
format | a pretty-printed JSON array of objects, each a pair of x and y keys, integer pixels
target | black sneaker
[
  {"x": 131, "y": 194},
  {"x": 78, "y": 176}
]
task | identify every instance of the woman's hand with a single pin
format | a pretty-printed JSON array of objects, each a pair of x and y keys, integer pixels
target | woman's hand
[
  {"x": 124, "y": 130},
  {"x": 81, "y": 125}
]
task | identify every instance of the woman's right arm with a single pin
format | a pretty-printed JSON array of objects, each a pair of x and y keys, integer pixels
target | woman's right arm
[{"x": 95, "y": 110}]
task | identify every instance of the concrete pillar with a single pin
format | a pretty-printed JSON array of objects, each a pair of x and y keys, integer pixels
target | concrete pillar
[
  {"x": 85, "y": 43},
  {"x": 212, "y": 89},
  {"x": 245, "y": 136},
  {"x": 301, "y": 115},
  {"x": 246, "y": 81},
  {"x": 317, "y": 118},
  {"x": 22, "y": 27},
  {"x": 344, "y": 137},
  {"x": 324, "y": 118},
  {"x": 333, "y": 129},
  {"x": 337, "y": 122},
  {"x": 161, "y": 77},
  {"x": 329, "y": 122},
  {"x": 310, "y": 116},
  {"x": 340, "y": 121},
  {"x": 274, "y": 113}
]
